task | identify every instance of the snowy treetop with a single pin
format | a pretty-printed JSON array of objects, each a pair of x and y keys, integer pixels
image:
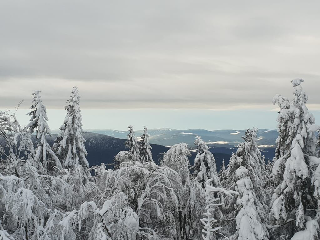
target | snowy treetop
[{"x": 297, "y": 82}]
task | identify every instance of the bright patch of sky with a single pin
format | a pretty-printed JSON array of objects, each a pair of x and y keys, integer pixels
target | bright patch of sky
[{"x": 183, "y": 119}]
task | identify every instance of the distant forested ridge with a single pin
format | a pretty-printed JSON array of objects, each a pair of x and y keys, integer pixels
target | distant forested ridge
[{"x": 50, "y": 187}]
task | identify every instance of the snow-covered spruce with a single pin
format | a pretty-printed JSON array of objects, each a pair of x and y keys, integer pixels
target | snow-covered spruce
[
  {"x": 133, "y": 146},
  {"x": 248, "y": 158},
  {"x": 206, "y": 175},
  {"x": 69, "y": 145},
  {"x": 38, "y": 123},
  {"x": 249, "y": 222},
  {"x": 295, "y": 168},
  {"x": 177, "y": 159},
  {"x": 17, "y": 143},
  {"x": 212, "y": 221},
  {"x": 144, "y": 147},
  {"x": 205, "y": 164},
  {"x": 121, "y": 157}
]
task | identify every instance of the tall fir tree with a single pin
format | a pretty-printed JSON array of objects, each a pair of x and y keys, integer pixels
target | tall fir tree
[
  {"x": 223, "y": 172},
  {"x": 212, "y": 215},
  {"x": 284, "y": 140},
  {"x": 38, "y": 123},
  {"x": 294, "y": 200},
  {"x": 70, "y": 143},
  {"x": 205, "y": 164},
  {"x": 213, "y": 220},
  {"x": 144, "y": 147},
  {"x": 249, "y": 219},
  {"x": 249, "y": 156},
  {"x": 246, "y": 175},
  {"x": 10, "y": 132},
  {"x": 133, "y": 146}
]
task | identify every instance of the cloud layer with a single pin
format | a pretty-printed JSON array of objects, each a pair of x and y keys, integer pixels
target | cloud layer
[{"x": 158, "y": 54}]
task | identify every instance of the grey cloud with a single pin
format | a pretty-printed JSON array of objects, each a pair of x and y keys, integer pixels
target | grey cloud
[{"x": 158, "y": 53}]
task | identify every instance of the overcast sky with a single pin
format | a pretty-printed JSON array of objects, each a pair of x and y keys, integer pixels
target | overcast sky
[{"x": 221, "y": 55}]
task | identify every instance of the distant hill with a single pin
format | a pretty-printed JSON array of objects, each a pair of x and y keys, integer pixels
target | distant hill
[
  {"x": 169, "y": 137},
  {"x": 102, "y": 148},
  {"x": 222, "y": 143}
]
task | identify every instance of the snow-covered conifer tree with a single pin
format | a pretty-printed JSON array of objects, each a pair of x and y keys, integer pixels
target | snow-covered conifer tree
[
  {"x": 195, "y": 208},
  {"x": 118, "y": 220},
  {"x": 159, "y": 203},
  {"x": 38, "y": 123},
  {"x": 212, "y": 221},
  {"x": 145, "y": 148},
  {"x": 294, "y": 199},
  {"x": 249, "y": 222},
  {"x": 223, "y": 167},
  {"x": 70, "y": 143},
  {"x": 121, "y": 157},
  {"x": 205, "y": 164},
  {"x": 177, "y": 159},
  {"x": 132, "y": 144},
  {"x": 17, "y": 147},
  {"x": 9, "y": 133},
  {"x": 247, "y": 157},
  {"x": 223, "y": 172},
  {"x": 284, "y": 140},
  {"x": 205, "y": 171},
  {"x": 26, "y": 148}
]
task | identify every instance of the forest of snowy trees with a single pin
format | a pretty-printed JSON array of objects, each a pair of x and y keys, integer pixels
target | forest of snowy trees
[{"x": 51, "y": 192}]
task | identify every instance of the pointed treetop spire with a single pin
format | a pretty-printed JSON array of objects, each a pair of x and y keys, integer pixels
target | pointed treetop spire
[
  {"x": 205, "y": 164},
  {"x": 223, "y": 165},
  {"x": 144, "y": 147},
  {"x": 38, "y": 115},
  {"x": 250, "y": 135},
  {"x": 38, "y": 123},
  {"x": 201, "y": 145},
  {"x": 70, "y": 143},
  {"x": 282, "y": 102},
  {"x": 132, "y": 144},
  {"x": 297, "y": 82}
]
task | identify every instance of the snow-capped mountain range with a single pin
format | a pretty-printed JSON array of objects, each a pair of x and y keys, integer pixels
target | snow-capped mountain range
[{"x": 169, "y": 137}]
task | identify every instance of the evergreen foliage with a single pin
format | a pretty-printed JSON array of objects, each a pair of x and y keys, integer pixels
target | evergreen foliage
[
  {"x": 38, "y": 124},
  {"x": 70, "y": 142},
  {"x": 144, "y": 147},
  {"x": 133, "y": 146}
]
